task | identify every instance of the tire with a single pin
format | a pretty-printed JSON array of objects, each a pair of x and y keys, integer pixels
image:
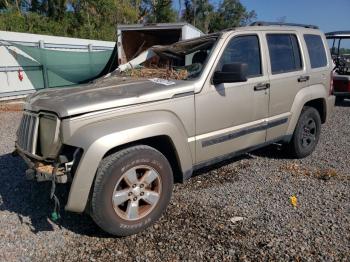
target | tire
[
  {"x": 305, "y": 138},
  {"x": 116, "y": 177}
]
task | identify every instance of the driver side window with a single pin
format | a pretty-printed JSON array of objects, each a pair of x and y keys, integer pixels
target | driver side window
[{"x": 243, "y": 49}]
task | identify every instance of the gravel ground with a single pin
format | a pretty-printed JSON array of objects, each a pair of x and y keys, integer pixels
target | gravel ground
[{"x": 201, "y": 221}]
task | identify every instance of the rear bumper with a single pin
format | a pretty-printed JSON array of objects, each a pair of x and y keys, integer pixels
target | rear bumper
[
  {"x": 341, "y": 84},
  {"x": 330, "y": 106}
]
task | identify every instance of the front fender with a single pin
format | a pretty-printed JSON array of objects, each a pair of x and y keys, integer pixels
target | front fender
[
  {"x": 98, "y": 138},
  {"x": 303, "y": 96}
]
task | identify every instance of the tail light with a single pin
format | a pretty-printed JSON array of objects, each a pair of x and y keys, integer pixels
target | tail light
[{"x": 331, "y": 86}]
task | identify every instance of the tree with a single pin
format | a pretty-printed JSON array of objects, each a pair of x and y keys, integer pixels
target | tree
[
  {"x": 203, "y": 11},
  {"x": 55, "y": 8},
  {"x": 97, "y": 19},
  {"x": 128, "y": 12},
  {"x": 179, "y": 11},
  {"x": 231, "y": 13},
  {"x": 159, "y": 11},
  {"x": 4, "y": 4},
  {"x": 188, "y": 12},
  {"x": 11, "y": 5},
  {"x": 35, "y": 6}
]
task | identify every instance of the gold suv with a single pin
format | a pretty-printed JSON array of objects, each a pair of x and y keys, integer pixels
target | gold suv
[{"x": 121, "y": 142}]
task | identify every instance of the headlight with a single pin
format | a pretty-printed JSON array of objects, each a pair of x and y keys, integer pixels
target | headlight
[{"x": 49, "y": 136}]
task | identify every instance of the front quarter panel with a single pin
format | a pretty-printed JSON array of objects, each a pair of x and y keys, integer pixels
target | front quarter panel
[{"x": 98, "y": 138}]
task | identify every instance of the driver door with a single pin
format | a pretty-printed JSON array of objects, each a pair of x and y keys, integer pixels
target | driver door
[{"x": 232, "y": 116}]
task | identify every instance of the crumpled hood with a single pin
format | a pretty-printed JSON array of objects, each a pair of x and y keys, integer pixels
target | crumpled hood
[{"x": 110, "y": 92}]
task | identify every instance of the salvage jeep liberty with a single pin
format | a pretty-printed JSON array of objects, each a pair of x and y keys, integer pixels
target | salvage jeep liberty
[{"x": 121, "y": 141}]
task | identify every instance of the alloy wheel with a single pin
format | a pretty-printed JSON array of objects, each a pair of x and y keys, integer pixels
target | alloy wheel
[
  {"x": 137, "y": 192},
  {"x": 309, "y": 131}
]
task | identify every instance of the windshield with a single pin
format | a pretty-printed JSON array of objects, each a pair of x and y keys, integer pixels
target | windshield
[{"x": 183, "y": 60}]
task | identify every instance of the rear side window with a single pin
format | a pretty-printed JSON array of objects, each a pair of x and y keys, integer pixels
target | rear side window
[
  {"x": 284, "y": 53},
  {"x": 317, "y": 53},
  {"x": 243, "y": 49}
]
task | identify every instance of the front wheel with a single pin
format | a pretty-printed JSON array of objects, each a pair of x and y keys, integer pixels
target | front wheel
[
  {"x": 132, "y": 189},
  {"x": 306, "y": 133}
]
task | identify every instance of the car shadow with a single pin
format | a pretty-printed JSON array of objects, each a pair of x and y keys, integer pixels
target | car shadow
[
  {"x": 31, "y": 202},
  {"x": 273, "y": 151},
  {"x": 229, "y": 161}
]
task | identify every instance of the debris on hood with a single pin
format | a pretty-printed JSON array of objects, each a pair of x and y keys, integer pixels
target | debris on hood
[
  {"x": 164, "y": 73},
  {"x": 187, "y": 47},
  {"x": 180, "y": 61},
  {"x": 163, "y": 82}
]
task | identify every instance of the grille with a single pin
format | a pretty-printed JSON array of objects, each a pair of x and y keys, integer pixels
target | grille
[{"x": 28, "y": 132}]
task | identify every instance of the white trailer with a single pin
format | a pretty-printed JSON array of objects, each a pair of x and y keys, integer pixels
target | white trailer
[{"x": 134, "y": 39}]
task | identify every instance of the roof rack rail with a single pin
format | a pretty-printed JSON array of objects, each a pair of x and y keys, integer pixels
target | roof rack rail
[
  {"x": 262, "y": 23},
  {"x": 228, "y": 29}
]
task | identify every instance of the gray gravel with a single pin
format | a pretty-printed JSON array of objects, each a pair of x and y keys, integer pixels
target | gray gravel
[{"x": 203, "y": 221}]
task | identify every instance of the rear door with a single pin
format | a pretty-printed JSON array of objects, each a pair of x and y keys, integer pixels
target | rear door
[
  {"x": 288, "y": 75},
  {"x": 319, "y": 65}
]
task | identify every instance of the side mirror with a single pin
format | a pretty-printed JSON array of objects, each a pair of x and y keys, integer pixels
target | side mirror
[{"x": 231, "y": 73}]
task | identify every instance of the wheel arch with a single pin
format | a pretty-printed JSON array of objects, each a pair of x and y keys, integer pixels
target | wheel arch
[
  {"x": 165, "y": 145},
  {"x": 313, "y": 96},
  {"x": 160, "y": 130},
  {"x": 320, "y": 105}
]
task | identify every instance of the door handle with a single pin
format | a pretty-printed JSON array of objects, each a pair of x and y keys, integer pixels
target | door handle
[
  {"x": 261, "y": 86},
  {"x": 303, "y": 79}
]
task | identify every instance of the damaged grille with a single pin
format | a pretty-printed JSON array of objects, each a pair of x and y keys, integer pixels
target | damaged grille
[{"x": 28, "y": 132}]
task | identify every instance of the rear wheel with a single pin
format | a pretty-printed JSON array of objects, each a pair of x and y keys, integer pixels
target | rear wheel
[
  {"x": 131, "y": 191},
  {"x": 306, "y": 133}
]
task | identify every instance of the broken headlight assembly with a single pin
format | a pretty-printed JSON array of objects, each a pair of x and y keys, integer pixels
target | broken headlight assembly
[{"x": 49, "y": 141}]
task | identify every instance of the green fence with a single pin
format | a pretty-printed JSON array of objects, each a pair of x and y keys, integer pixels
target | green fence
[{"x": 60, "y": 68}]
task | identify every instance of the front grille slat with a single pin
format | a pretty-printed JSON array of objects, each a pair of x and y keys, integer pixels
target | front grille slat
[
  {"x": 19, "y": 134},
  {"x": 27, "y": 131},
  {"x": 35, "y": 134},
  {"x": 22, "y": 130},
  {"x": 30, "y": 134}
]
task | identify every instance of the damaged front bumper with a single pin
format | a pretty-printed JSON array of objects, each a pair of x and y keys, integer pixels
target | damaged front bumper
[
  {"x": 46, "y": 172},
  {"x": 42, "y": 170}
]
